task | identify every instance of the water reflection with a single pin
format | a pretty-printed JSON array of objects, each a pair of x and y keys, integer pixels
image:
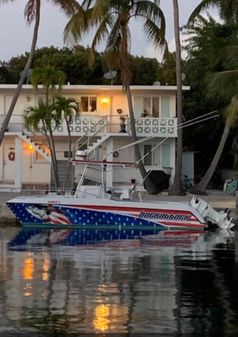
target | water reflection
[{"x": 79, "y": 281}]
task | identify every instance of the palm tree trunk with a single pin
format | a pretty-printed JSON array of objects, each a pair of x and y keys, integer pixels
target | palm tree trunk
[
  {"x": 177, "y": 185},
  {"x": 52, "y": 155},
  {"x": 149, "y": 185},
  {"x": 53, "y": 164},
  {"x": 54, "y": 160},
  {"x": 52, "y": 143},
  {"x": 202, "y": 185},
  {"x": 69, "y": 155},
  {"x": 125, "y": 74},
  {"x": 24, "y": 73}
]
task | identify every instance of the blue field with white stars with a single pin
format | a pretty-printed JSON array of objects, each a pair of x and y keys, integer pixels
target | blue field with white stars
[{"x": 65, "y": 215}]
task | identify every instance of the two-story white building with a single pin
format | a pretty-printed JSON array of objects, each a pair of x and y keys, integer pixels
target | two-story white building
[{"x": 25, "y": 161}]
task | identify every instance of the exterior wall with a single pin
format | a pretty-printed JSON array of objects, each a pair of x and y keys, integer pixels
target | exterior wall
[
  {"x": 33, "y": 171},
  {"x": 188, "y": 165},
  {"x": 8, "y": 166}
]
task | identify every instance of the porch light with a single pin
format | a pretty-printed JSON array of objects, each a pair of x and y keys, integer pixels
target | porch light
[
  {"x": 105, "y": 100},
  {"x": 30, "y": 148}
]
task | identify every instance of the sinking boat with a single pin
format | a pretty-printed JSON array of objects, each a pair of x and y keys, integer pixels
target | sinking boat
[{"x": 92, "y": 206}]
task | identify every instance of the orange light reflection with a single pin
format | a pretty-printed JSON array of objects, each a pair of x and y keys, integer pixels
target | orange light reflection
[
  {"x": 46, "y": 267},
  {"x": 28, "y": 268},
  {"x": 101, "y": 321}
]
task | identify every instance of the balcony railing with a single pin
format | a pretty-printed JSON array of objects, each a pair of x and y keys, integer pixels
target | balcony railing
[
  {"x": 163, "y": 127},
  {"x": 83, "y": 125},
  {"x": 91, "y": 125}
]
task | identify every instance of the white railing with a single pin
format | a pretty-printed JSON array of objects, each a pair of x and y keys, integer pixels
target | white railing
[
  {"x": 163, "y": 127},
  {"x": 145, "y": 126},
  {"x": 79, "y": 126},
  {"x": 83, "y": 125}
]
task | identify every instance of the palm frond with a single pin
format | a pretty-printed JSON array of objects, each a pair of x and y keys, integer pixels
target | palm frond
[
  {"x": 102, "y": 30},
  {"x": 47, "y": 76},
  {"x": 69, "y": 7},
  {"x": 204, "y": 4},
  {"x": 223, "y": 84},
  {"x": 114, "y": 38},
  {"x": 154, "y": 33},
  {"x": 231, "y": 112},
  {"x": 30, "y": 11},
  {"x": 151, "y": 10},
  {"x": 77, "y": 25}
]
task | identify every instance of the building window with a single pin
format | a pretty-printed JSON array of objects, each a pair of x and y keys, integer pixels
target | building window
[
  {"x": 66, "y": 154},
  {"x": 88, "y": 104},
  {"x": 148, "y": 153},
  {"x": 147, "y": 106},
  {"x": 155, "y": 106},
  {"x": 151, "y": 154}
]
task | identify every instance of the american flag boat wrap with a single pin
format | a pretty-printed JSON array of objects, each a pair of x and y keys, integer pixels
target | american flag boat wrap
[{"x": 62, "y": 210}]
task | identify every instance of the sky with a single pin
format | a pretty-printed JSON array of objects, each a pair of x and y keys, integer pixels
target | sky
[{"x": 15, "y": 33}]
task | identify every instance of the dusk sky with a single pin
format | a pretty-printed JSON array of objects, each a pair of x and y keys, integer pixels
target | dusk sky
[{"x": 15, "y": 34}]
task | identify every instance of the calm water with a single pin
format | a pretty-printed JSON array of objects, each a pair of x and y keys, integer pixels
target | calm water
[{"x": 75, "y": 282}]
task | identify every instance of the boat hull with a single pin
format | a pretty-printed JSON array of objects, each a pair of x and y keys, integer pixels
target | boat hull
[{"x": 62, "y": 211}]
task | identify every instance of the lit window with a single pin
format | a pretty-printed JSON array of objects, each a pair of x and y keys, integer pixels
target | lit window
[{"x": 88, "y": 104}]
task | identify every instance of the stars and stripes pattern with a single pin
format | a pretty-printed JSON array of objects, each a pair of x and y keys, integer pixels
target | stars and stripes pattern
[
  {"x": 76, "y": 216},
  {"x": 86, "y": 215}
]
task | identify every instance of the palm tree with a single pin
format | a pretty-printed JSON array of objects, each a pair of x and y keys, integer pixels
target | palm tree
[
  {"x": 52, "y": 81},
  {"x": 111, "y": 20},
  {"x": 32, "y": 13},
  {"x": 177, "y": 185},
  {"x": 228, "y": 9},
  {"x": 66, "y": 109},
  {"x": 50, "y": 78},
  {"x": 222, "y": 84},
  {"x": 39, "y": 119}
]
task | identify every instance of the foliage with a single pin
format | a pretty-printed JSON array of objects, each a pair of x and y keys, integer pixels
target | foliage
[
  {"x": 210, "y": 50},
  {"x": 144, "y": 70},
  {"x": 167, "y": 71},
  {"x": 51, "y": 80},
  {"x": 40, "y": 118},
  {"x": 228, "y": 9},
  {"x": 74, "y": 63}
]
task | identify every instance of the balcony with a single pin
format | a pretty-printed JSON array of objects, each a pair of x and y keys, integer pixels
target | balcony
[
  {"x": 91, "y": 125},
  {"x": 162, "y": 127}
]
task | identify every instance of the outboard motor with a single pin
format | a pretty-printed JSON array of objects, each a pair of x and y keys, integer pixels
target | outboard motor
[{"x": 221, "y": 218}]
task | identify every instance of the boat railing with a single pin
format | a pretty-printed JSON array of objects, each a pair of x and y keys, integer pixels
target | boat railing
[
  {"x": 91, "y": 191},
  {"x": 99, "y": 187}
]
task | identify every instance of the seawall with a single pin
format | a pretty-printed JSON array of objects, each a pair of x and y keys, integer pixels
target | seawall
[{"x": 6, "y": 216}]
